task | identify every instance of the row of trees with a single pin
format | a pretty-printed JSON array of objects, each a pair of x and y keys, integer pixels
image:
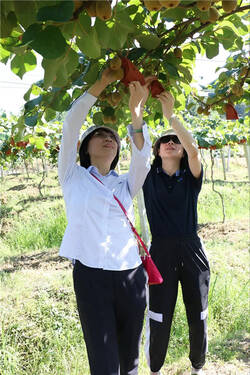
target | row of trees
[{"x": 44, "y": 141}]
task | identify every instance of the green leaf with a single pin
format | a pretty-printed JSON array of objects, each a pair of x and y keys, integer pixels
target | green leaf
[
  {"x": 61, "y": 101},
  {"x": 23, "y": 63},
  {"x": 61, "y": 12},
  {"x": 32, "y": 103},
  {"x": 72, "y": 61},
  {"x": 31, "y": 120},
  {"x": 212, "y": 49},
  {"x": 103, "y": 33},
  {"x": 176, "y": 14},
  {"x": 123, "y": 17},
  {"x": 50, "y": 70},
  {"x": 186, "y": 73},
  {"x": 49, "y": 42},
  {"x": 49, "y": 114},
  {"x": 237, "y": 22},
  {"x": 31, "y": 33},
  {"x": 4, "y": 54},
  {"x": 148, "y": 41},
  {"x": 118, "y": 36},
  {"x": 173, "y": 72},
  {"x": 188, "y": 53},
  {"x": 98, "y": 118},
  {"x": 7, "y": 24},
  {"x": 61, "y": 76},
  {"x": 108, "y": 111},
  {"x": 227, "y": 38},
  {"x": 25, "y": 12},
  {"x": 92, "y": 73},
  {"x": 89, "y": 44}
]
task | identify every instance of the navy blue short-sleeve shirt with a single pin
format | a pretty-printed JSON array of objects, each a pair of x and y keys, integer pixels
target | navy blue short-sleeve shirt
[{"x": 171, "y": 202}]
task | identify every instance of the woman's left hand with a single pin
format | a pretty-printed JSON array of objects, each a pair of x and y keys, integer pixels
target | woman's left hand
[
  {"x": 138, "y": 95},
  {"x": 167, "y": 102}
]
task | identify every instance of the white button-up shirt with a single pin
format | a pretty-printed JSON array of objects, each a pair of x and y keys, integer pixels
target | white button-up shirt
[{"x": 98, "y": 234}]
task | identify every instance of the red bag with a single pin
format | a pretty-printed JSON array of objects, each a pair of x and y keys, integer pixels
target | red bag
[
  {"x": 131, "y": 73},
  {"x": 156, "y": 88},
  {"x": 154, "y": 276},
  {"x": 231, "y": 113}
]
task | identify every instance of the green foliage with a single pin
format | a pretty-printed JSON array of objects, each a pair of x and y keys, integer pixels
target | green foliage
[{"x": 74, "y": 50}]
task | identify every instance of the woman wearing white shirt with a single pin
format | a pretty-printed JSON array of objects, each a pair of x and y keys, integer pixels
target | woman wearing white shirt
[{"x": 109, "y": 279}]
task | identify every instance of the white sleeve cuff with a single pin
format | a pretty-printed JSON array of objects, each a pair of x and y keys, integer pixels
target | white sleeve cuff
[{"x": 147, "y": 141}]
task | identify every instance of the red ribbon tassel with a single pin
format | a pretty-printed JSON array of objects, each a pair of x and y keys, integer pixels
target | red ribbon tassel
[{"x": 231, "y": 113}]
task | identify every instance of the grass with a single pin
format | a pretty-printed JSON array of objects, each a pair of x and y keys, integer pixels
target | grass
[{"x": 39, "y": 325}]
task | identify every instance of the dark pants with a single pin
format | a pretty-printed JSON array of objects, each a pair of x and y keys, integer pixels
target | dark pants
[
  {"x": 111, "y": 307},
  {"x": 181, "y": 260}
]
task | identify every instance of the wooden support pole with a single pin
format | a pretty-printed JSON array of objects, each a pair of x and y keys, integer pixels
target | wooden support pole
[
  {"x": 247, "y": 156},
  {"x": 223, "y": 164},
  {"x": 143, "y": 218}
]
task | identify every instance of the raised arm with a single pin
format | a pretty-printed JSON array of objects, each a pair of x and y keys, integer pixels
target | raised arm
[
  {"x": 187, "y": 141},
  {"x": 73, "y": 122},
  {"x": 137, "y": 100},
  {"x": 140, "y": 140}
]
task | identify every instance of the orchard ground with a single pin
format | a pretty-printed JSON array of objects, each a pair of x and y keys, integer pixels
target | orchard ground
[{"x": 40, "y": 329}]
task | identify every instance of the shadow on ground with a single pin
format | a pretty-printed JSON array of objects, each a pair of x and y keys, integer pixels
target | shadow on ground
[{"x": 45, "y": 260}]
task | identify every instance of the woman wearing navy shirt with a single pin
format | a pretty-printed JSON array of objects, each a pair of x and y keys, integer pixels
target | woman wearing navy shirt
[{"x": 171, "y": 192}]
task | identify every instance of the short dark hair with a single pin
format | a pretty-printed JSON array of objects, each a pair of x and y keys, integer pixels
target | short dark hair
[
  {"x": 84, "y": 155},
  {"x": 157, "y": 162}
]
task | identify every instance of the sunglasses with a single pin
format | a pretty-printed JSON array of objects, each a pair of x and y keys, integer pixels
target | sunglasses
[
  {"x": 104, "y": 134},
  {"x": 170, "y": 137}
]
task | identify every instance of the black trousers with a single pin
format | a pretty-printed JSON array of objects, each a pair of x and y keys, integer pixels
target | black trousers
[
  {"x": 111, "y": 307},
  {"x": 179, "y": 260}
]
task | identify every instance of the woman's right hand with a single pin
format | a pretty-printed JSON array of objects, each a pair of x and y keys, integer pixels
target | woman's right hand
[{"x": 167, "y": 103}]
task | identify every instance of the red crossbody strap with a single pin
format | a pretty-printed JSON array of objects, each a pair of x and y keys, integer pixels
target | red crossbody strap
[{"x": 130, "y": 223}]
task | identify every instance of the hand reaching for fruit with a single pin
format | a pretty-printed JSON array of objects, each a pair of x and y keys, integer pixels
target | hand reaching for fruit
[
  {"x": 167, "y": 102},
  {"x": 109, "y": 75},
  {"x": 138, "y": 95}
]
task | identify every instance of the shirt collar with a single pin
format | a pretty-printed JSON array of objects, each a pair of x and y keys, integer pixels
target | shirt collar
[
  {"x": 93, "y": 169},
  {"x": 160, "y": 170}
]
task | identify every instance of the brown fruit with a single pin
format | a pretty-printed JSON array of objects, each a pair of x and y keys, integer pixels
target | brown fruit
[
  {"x": 200, "y": 110},
  {"x": 103, "y": 10},
  {"x": 90, "y": 7},
  {"x": 103, "y": 96},
  {"x": 152, "y": 5},
  {"x": 206, "y": 111},
  {"x": 77, "y": 4},
  {"x": 203, "y": 5},
  {"x": 237, "y": 89},
  {"x": 213, "y": 14},
  {"x": 169, "y": 3},
  {"x": 110, "y": 100},
  {"x": 115, "y": 63},
  {"x": 118, "y": 74},
  {"x": 106, "y": 119},
  {"x": 243, "y": 70},
  {"x": 229, "y": 5},
  {"x": 178, "y": 53},
  {"x": 113, "y": 119},
  {"x": 109, "y": 119},
  {"x": 116, "y": 98}
]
